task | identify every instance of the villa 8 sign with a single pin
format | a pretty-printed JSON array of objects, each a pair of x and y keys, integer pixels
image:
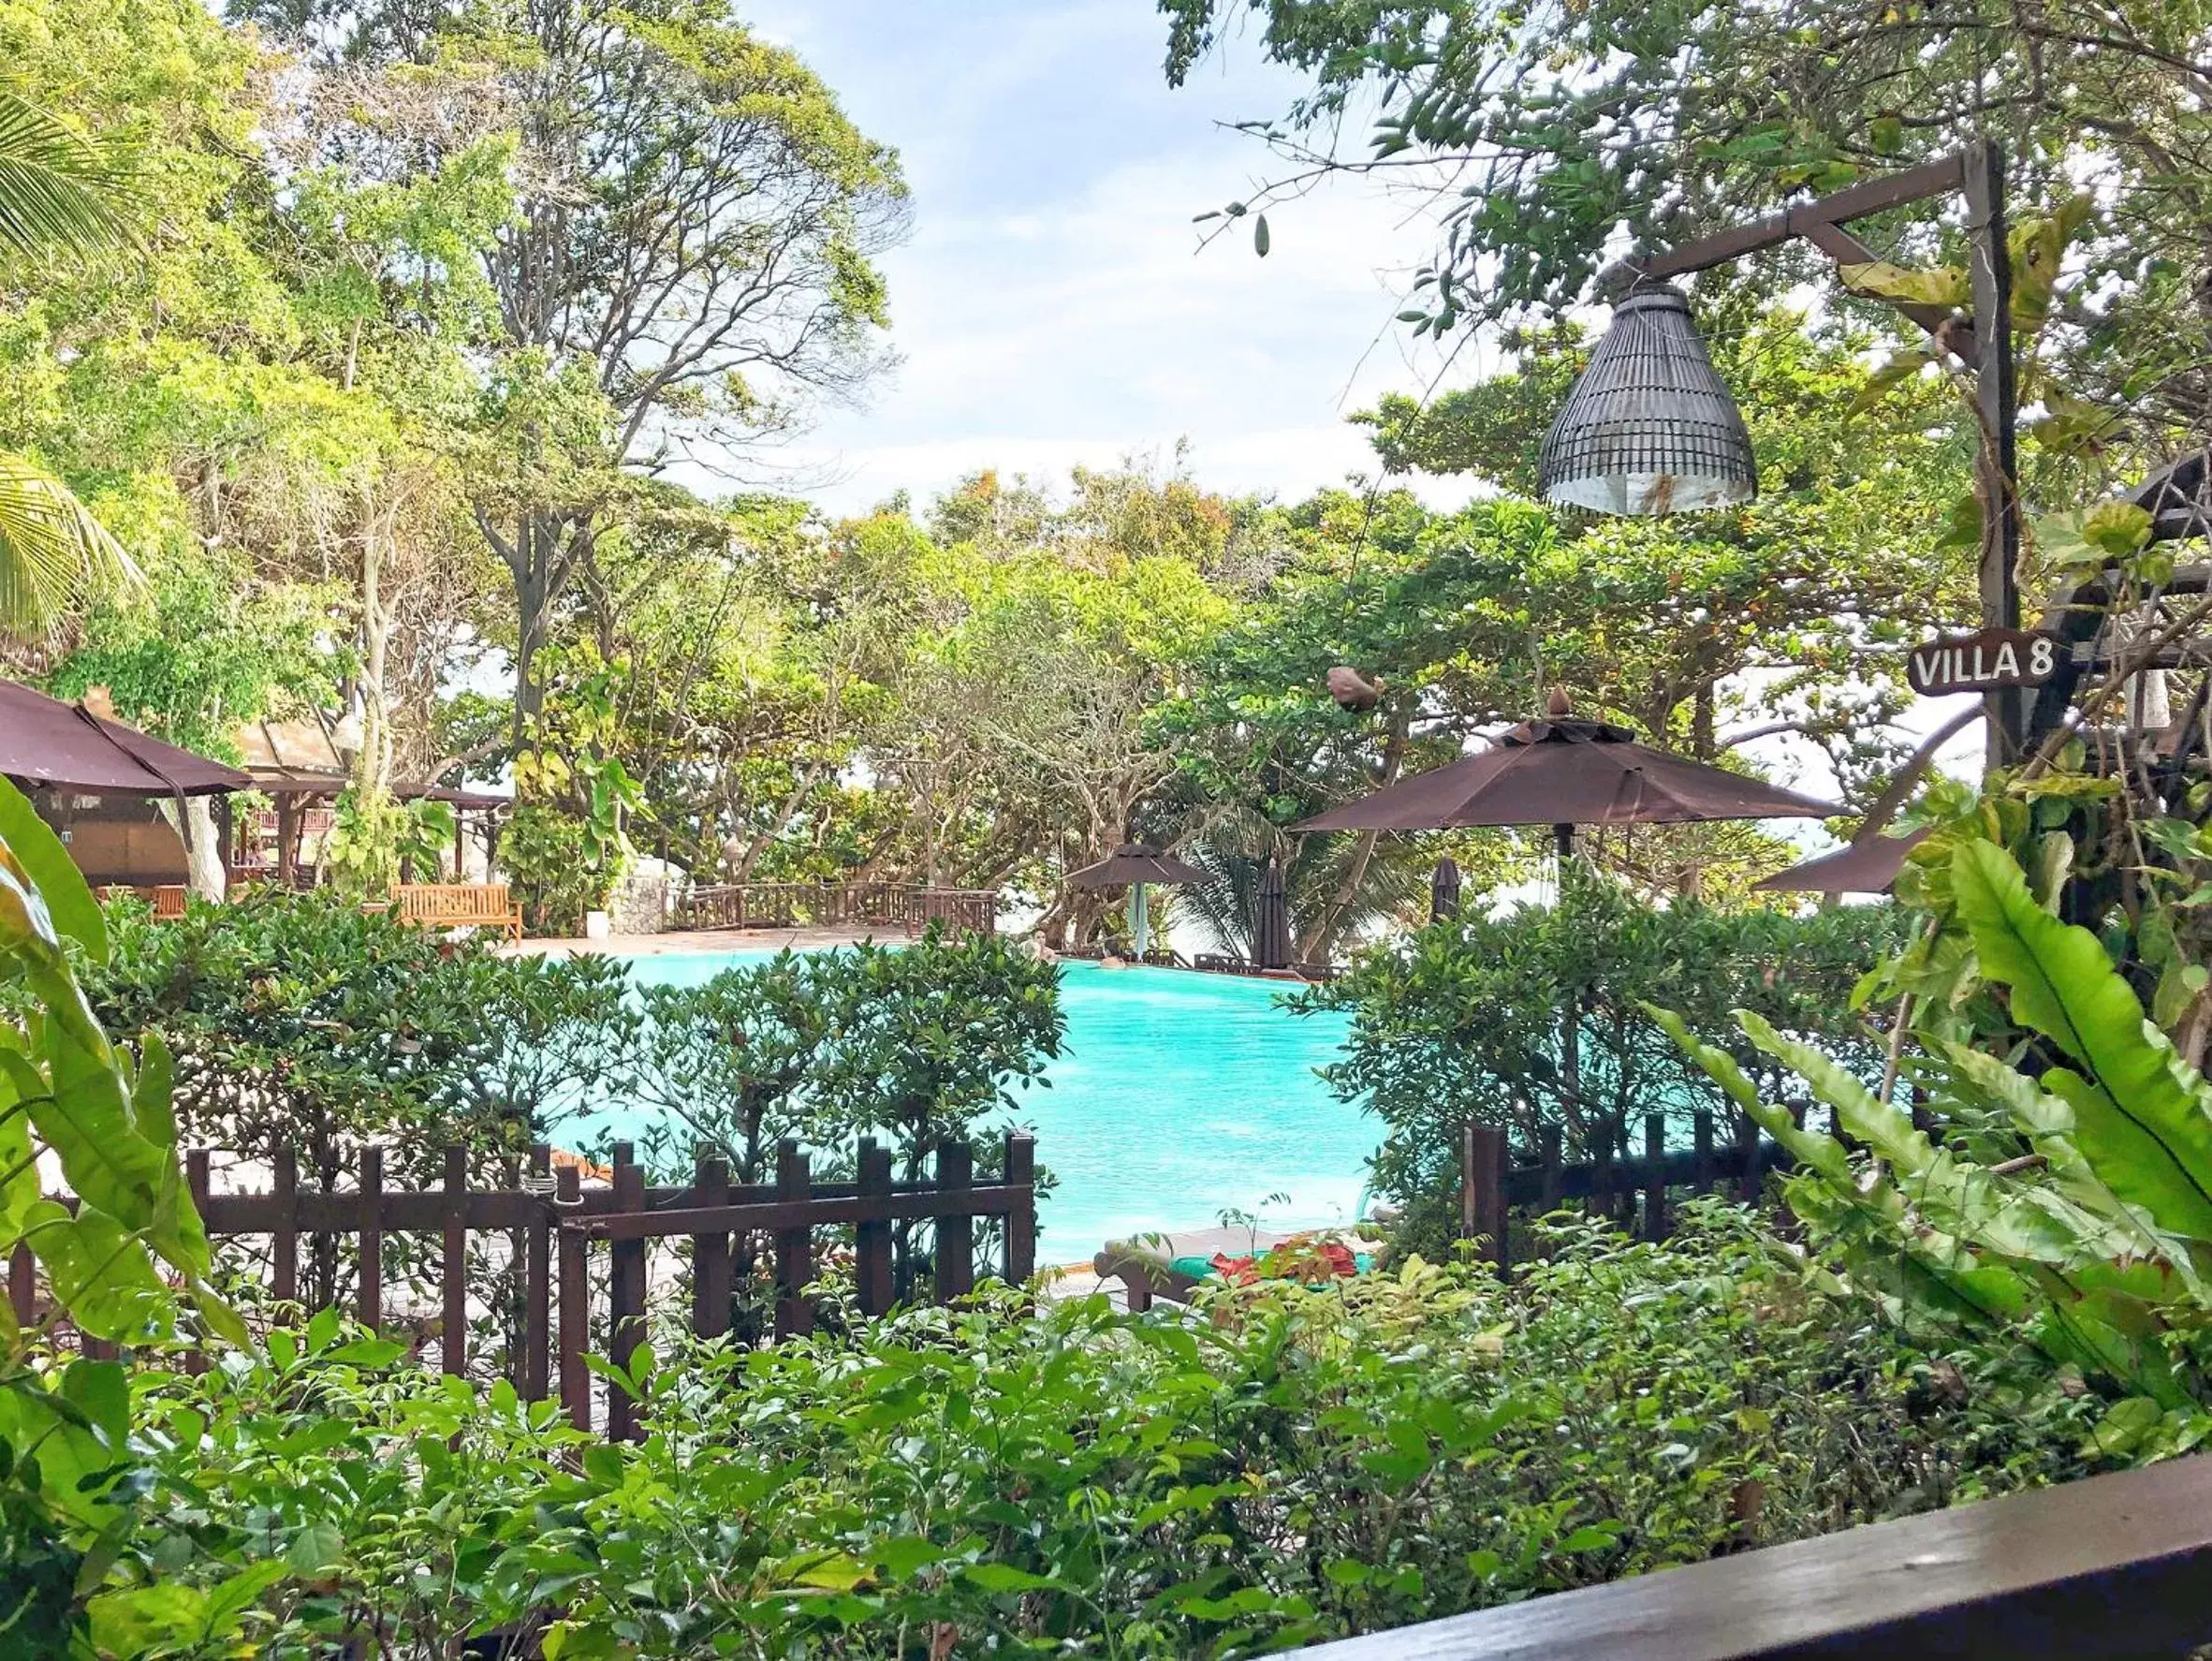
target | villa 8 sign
[{"x": 1980, "y": 662}]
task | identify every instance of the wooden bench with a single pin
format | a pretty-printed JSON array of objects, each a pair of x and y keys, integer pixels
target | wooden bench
[
  {"x": 458, "y": 906},
  {"x": 167, "y": 899}
]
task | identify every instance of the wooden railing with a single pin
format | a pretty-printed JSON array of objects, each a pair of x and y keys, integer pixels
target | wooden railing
[
  {"x": 2115, "y": 1566},
  {"x": 549, "y": 1225},
  {"x": 1491, "y": 1188},
  {"x": 836, "y": 906}
]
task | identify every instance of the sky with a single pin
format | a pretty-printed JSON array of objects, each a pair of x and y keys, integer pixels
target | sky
[{"x": 1052, "y": 307}]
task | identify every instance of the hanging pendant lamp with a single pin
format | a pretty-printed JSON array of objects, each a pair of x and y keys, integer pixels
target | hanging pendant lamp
[{"x": 1650, "y": 428}]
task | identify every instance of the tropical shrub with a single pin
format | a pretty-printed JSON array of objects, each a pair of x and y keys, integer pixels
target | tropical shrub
[
  {"x": 1284, "y": 1464},
  {"x": 1463, "y": 1020},
  {"x": 377, "y": 840},
  {"x": 2065, "y": 1199},
  {"x": 548, "y": 857},
  {"x": 728, "y": 1064},
  {"x": 931, "y": 1036},
  {"x": 298, "y": 1022}
]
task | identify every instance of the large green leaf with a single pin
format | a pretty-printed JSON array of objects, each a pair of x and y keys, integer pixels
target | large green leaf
[
  {"x": 46, "y": 862},
  {"x": 1810, "y": 1148},
  {"x": 2139, "y": 1111},
  {"x": 1885, "y": 1127},
  {"x": 101, "y": 1272},
  {"x": 85, "y": 1118}
]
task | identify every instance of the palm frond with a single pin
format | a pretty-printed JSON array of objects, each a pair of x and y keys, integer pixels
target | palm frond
[
  {"x": 52, "y": 549},
  {"x": 58, "y": 189}
]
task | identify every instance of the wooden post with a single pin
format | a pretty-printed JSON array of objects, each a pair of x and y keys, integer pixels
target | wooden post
[
  {"x": 453, "y": 1271},
  {"x": 873, "y": 1237},
  {"x": 1468, "y": 1224},
  {"x": 1482, "y": 1185},
  {"x": 1601, "y": 1171},
  {"x": 1706, "y": 1173},
  {"x": 1655, "y": 1222},
  {"x": 196, "y": 1179},
  {"x": 1747, "y": 1159},
  {"x": 371, "y": 1295},
  {"x": 1996, "y": 398},
  {"x": 795, "y": 1260},
  {"x": 576, "y": 1305},
  {"x": 538, "y": 1294},
  {"x": 625, "y": 1316},
  {"x": 710, "y": 1255},
  {"x": 284, "y": 1246},
  {"x": 22, "y": 1285},
  {"x": 956, "y": 1235},
  {"x": 1021, "y": 1222},
  {"x": 288, "y": 838}
]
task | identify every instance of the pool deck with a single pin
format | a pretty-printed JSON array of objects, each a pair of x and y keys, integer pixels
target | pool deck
[{"x": 678, "y": 942}]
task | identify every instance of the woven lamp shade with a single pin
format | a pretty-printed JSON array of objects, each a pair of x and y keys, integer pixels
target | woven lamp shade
[{"x": 1650, "y": 428}]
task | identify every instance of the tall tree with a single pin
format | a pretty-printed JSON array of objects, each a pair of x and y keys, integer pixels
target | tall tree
[
  {"x": 59, "y": 193},
  {"x": 689, "y": 262}
]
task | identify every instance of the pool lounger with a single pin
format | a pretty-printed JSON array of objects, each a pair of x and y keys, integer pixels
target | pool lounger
[{"x": 1154, "y": 1265}]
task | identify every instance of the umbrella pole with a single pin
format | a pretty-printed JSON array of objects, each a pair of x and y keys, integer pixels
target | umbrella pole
[
  {"x": 1571, "y": 1017},
  {"x": 1136, "y": 918}
]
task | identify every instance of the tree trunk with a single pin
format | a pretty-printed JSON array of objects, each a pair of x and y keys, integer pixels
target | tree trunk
[{"x": 204, "y": 872}]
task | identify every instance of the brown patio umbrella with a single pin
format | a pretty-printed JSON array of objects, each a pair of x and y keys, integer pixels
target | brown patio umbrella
[
  {"x": 1444, "y": 890},
  {"x": 1866, "y": 867},
  {"x": 47, "y": 742},
  {"x": 1270, "y": 931},
  {"x": 1566, "y": 773},
  {"x": 1130, "y": 866}
]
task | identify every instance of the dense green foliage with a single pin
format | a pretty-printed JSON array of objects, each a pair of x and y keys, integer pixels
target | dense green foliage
[
  {"x": 2064, "y": 1199},
  {"x": 1303, "y": 1464},
  {"x": 912, "y": 1045},
  {"x": 122, "y": 1265},
  {"x": 1464, "y": 1020},
  {"x": 1556, "y": 125}
]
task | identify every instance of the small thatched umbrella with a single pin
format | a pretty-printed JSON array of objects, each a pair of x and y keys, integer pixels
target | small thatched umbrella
[
  {"x": 1443, "y": 890},
  {"x": 1131, "y": 866},
  {"x": 1271, "y": 933},
  {"x": 1866, "y": 867}
]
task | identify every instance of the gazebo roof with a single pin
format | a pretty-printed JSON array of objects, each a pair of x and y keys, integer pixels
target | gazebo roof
[
  {"x": 1137, "y": 861},
  {"x": 47, "y": 742}
]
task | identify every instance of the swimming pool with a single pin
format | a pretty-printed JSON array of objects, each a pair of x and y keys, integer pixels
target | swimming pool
[{"x": 1177, "y": 1096}]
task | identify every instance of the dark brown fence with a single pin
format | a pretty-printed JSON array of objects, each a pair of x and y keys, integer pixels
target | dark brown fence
[
  {"x": 836, "y": 906},
  {"x": 2115, "y": 1566},
  {"x": 553, "y": 1224},
  {"x": 1491, "y": 1188}
]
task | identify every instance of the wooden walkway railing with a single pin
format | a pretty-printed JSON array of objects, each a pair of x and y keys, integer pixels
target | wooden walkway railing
[
  {"x": 552, "y": 1225},
  {"x": 836, "y": 906},
  {"x": 1491, "y": 1188},
  {"x": 2115, "y": 1566}
]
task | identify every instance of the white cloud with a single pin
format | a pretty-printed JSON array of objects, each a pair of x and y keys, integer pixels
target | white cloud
[{"x": 1053, "y": 306}]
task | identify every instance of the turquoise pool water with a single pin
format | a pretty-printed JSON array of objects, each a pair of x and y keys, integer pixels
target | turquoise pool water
[{"x": 1177, "y": 1096}]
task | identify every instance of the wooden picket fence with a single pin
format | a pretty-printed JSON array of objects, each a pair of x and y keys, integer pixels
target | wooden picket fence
[
  {"x": 837, "y": 906},
  {"x": 553, "y": 1223},
  {"x": 1492, "y": 1188}
]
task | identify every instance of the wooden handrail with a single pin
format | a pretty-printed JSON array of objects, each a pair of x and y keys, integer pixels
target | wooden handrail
[{"x": 2112, "y": 1566}]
